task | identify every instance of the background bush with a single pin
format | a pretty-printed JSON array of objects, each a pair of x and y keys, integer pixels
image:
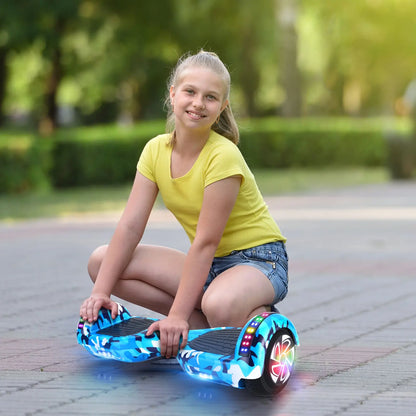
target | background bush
[
  {"x": 94, "y": 162},
  {"x": 108, "y": 154},
  {"x": 24, "y": 163},
  {"x": 315, "y": 142},
  {"x": 99, "y": 155}
]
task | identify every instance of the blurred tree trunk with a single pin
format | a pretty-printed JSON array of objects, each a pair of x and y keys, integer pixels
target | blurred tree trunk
[
  {"x": 52, "y": 87},
  {"x": 49, "y": 121},
  {"x": 249, "y": 75},
  {"x": 286, "y": 16},
  {"x": 3, "y": 81}
]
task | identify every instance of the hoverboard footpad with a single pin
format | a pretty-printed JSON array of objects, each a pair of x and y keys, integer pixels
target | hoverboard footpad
[
  {"x": 130, "y": 326},
  {"x": 220, "y": 341}
]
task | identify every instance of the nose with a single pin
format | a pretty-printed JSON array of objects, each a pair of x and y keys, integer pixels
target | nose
[{"x": 198, "y": 102}]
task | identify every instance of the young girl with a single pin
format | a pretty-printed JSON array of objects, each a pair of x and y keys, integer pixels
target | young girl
[{"x": 236, "y": 266}]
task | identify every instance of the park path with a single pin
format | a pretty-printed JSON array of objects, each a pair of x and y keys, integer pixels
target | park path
[{"x": 352, "y": 296}]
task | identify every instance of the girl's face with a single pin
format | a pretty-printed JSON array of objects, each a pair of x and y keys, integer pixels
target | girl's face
[{"x": 198, "y": 98}]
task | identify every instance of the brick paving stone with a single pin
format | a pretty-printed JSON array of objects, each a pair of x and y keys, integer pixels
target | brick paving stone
[{"x": 352, "y": 290}]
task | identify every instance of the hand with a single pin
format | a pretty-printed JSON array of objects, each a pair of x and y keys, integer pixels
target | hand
[
  {"x": 91, "y": 306},
  {"x": 171, "y": 330}
]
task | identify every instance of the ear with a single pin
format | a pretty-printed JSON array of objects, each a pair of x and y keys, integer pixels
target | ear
[
  {"x": 172, "y": 92},
  {"x": 224, "y": 104}
]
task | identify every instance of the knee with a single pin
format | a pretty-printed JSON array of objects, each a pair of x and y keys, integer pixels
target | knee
[
  {"x": 94, "y": 262},
  {"x": 220, "y": 310}
]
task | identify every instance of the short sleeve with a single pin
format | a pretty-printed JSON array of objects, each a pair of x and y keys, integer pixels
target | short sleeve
[
  {"x": 225, "y": 162},
  {"x": 145, "y": 165}
]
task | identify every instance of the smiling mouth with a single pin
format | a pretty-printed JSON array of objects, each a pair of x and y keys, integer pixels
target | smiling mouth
[{"x": 195, "y": 116}]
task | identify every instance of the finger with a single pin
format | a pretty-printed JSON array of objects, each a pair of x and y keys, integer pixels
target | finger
[
  {"x": 88, "y": 310},
  {"x": 175, "y": 348},
  {"x": 90, "y": 313},
  {"x": 169, "y": 347},
  {"x": 152, "y": 328},
  {"x": 96, "y": 308},
  {"x": 163, "y": 344},
  {"x": 114, "y": 310},
  {"x": 176, "y": 340},
  {"x": 177, "y": 344},
  {"x": 82, "y": 311},
  {"x": 184, "y": 339}
]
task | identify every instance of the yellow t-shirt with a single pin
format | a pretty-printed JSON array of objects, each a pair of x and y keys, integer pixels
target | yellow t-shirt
[{"x": 250, "y": 223}]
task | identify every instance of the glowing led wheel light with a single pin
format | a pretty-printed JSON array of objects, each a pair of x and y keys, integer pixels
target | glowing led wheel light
[
  {"x": 278, "y": 365},
  {"x": 281, "y": 359},
  {"x": 249, "y": 333}
]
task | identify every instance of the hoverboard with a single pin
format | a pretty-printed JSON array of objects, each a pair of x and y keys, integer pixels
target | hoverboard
[{"x": 259, "y": 356}]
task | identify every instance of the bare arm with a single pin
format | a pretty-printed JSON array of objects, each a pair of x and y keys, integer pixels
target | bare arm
[
  {"x": 127, "y": 235},
  {"x": 219, "y": 200}
]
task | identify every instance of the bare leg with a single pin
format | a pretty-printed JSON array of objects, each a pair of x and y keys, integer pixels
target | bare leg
[
  {"x": 151, "y": 279},
  {"x": 237, "y": 295},
  {"x": 259, "y": 311}
]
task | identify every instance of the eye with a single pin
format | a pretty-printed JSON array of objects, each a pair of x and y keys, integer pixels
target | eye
[
  {"x": 189, "y": 91},
  {"x": 211, "y": 97}
]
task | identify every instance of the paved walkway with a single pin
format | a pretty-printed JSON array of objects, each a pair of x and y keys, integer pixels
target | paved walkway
[{"x": 352, "y": 299}]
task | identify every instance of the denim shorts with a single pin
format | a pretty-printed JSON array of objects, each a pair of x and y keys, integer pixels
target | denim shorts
[{"x": 269, "y": 258}]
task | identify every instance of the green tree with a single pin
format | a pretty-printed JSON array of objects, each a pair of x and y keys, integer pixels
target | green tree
[
  {"x": 136, "y": 56},
  {"x": 13, "y": 37},
  {"x": 370, "y": 52},
  {"x": 54, "y": 20},
  {"x": 95, "y": 52},
  {"x": 242, "y": 32},
  {"x": 26, "y": 22}
]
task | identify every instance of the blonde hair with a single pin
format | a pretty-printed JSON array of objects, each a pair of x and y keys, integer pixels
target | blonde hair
[{"x": 225, "y": 124}]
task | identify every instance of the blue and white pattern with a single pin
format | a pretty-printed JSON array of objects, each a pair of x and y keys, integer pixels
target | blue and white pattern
[
  {"x": 245, "y": 361},
  {"x": 128, "y": 348}
]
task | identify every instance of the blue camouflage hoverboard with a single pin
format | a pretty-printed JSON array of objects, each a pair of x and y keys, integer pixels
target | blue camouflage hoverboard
[{"x": 259, "y": 356}]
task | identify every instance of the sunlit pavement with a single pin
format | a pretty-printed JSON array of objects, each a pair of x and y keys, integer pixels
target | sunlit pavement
[{"x": 352, "y": 299}]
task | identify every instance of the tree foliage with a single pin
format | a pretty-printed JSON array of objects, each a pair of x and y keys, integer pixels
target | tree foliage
[
  {"x": 370, "y": 52},
  {"x": 111, "y": 59}
]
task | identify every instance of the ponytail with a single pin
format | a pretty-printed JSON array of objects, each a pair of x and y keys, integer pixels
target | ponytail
[{"x": 227, "y": 126}]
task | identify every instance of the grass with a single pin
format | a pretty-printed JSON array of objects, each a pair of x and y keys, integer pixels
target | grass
[
  {"x": 71, "y": 202},
  {"x": 63, "y": 203},
  {"x": 307, "y": 180}
]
